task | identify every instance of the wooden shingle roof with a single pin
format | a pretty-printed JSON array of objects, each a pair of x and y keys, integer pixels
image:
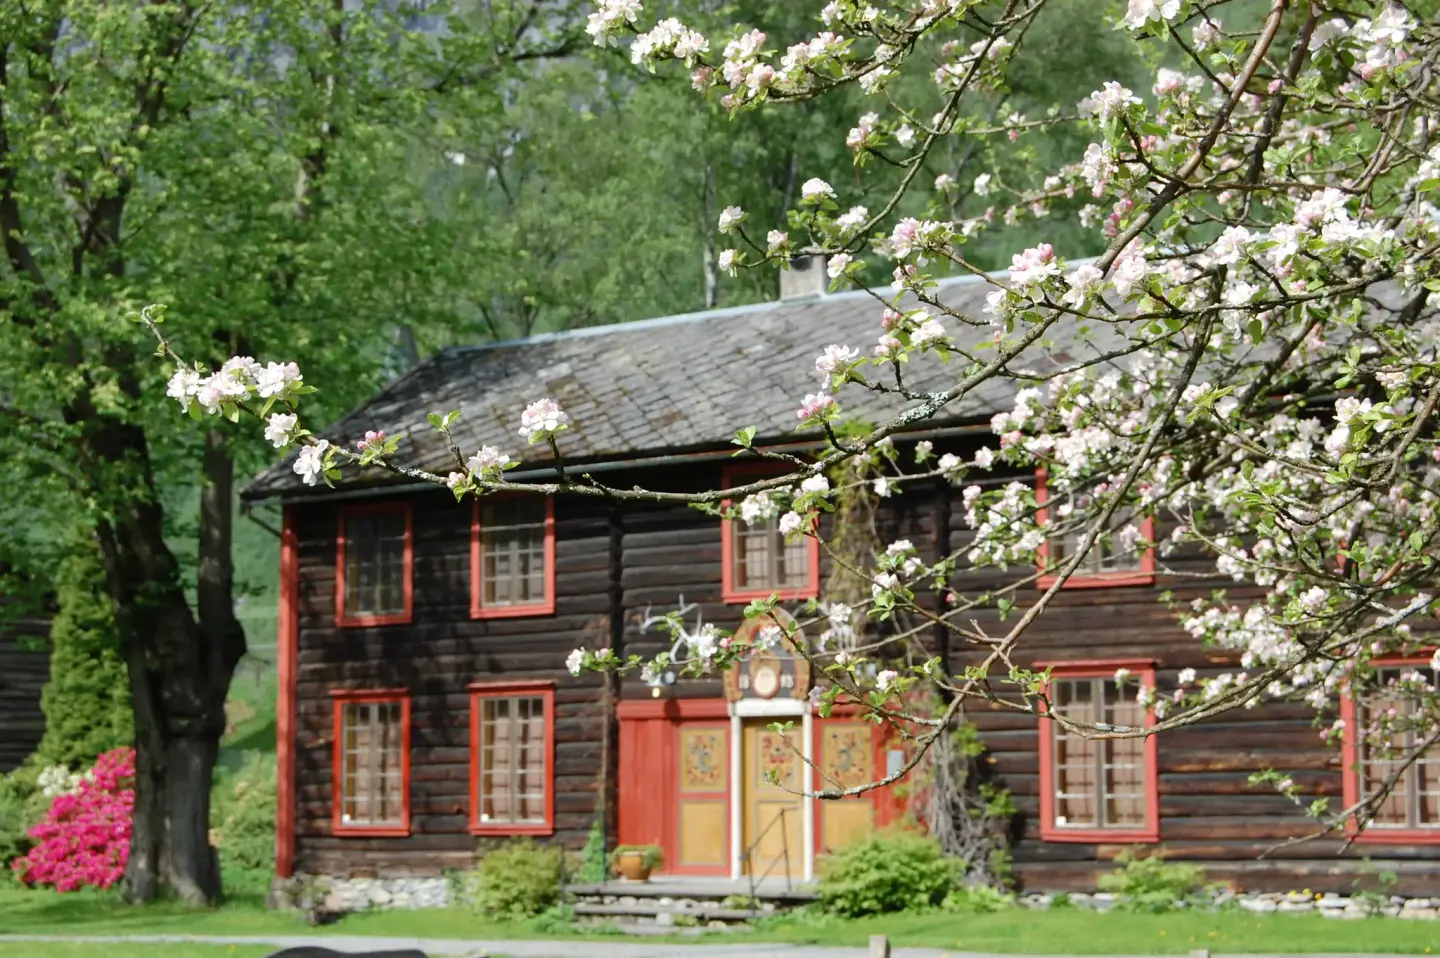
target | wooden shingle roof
[{"x": 633, "y": 390}]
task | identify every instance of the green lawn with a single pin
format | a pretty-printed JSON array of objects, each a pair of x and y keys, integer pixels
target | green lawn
[
  {"x": 1068, "y": 931},
  {"x": 37, "y": 949}
]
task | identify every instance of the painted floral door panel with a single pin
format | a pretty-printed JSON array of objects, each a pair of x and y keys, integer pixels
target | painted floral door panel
[
  {"x": 846, "y": 759},
  {"x": 704, "y": 833},
  {"x": 773, "y": 818}
]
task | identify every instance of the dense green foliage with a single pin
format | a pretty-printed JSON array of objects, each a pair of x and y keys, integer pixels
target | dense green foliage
[
  {"x": 593, "y": 864},
  {"x": 87, "y": 700},
  {"x": 1150, "y": 883},
  {"x": 890, "y": 870},
  {"x": 243, "y": 814},
  {"x": 516, "y": 880}
]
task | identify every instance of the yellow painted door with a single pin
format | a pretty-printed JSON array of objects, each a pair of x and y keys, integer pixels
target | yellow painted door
[
  {"x": 773, "y": 779},
  {"x": 846, "y": 760}
]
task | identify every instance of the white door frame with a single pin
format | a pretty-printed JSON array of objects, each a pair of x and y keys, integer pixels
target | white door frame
[{"x": 771, "y": 708}]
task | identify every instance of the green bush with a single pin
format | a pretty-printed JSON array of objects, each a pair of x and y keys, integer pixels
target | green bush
[
  {"x": 887, "y": 871},
  {"x": 87, "y": 700},
  {"x": 1152, "y": 884},
  {"x": 593, "y": 868},
  {"x": 978, "y": 899},
  {"x": 22, "y": 805},
  {"x": 517, "y": 880},
  {"x": 242, "y": 814}
]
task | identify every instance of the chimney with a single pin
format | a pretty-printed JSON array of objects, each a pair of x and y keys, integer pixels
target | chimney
[{"x": 805, "y": 278}]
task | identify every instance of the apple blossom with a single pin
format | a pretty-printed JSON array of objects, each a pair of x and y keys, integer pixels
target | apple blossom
[
  {"x": 541, "y": 420},
  {"x": 730, "y": 219},
  {"x": 279, "y": 428},
  {"x": 816, "y": 190},
  {"x": 310, "y": 463}
]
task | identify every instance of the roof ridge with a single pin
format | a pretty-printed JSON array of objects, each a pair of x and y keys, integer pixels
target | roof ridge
[{"x": 675, "y": 319}]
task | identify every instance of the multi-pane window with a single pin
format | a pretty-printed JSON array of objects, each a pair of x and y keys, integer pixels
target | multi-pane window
[
  {"x": 1389, "y": 728},
  {"x": 374, "y": 580},
  {"x": 762, "y": 559},
  {"x": 511, "y": 732},
  {"x": 1119, "y": 551},
  {"x": 512, "y": 552},
  {"x": 371, "y": 765},
  {"x": 1097, "y": 783}
]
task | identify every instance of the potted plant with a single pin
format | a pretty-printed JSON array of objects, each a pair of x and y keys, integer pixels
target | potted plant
[{"x": 636, "y": 862}]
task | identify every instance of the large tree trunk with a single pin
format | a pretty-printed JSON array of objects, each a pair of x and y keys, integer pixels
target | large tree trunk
[{"x": 179, "y": 668}]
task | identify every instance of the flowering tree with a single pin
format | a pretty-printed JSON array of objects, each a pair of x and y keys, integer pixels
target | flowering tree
[{"x": 1256, "y": 377}]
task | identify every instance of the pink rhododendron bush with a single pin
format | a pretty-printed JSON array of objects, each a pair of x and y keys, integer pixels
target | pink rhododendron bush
[{"x": 84, "y": 839}]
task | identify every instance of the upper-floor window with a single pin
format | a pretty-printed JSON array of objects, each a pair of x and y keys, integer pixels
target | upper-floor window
[
  {"x": 512, "y": 556},
  {"x": 758, "y": 560},
  {"x": 1385, "y": 726},
  {"x": 373, "y": 565},
  {"x": 372, "y": 762},
  {"x": 1094, "y": 787},
  {"x": 1123, "y": 557},
  {"x": 512, "y": 747}
]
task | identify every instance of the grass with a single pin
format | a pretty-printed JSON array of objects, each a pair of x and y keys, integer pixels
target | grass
[
  {"x": 46, "y": 949},
  {"x": 1067, "y": 931}
]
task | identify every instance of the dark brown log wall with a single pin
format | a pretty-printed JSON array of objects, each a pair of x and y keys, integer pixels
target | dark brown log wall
[
  {"x": 613, "y": 562},
  {"x": 436, "y": 656},
  {"x": 24, "y": 669},
  {"x": 1209, "y": 813}
]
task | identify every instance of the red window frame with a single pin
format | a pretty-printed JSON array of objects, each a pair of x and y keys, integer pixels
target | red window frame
[
  {"x": 1350, "y": 768},
  {"x": 538, "y": 688},
  {"x": 728, "y": 591},
  {"x": 478, "y": 609},
  {"x": 340, "y": 699},
  {"x": 1145, "y": 575},
  {"x": 342, "y": 618},
  {"x": 1144, "y": 670}
]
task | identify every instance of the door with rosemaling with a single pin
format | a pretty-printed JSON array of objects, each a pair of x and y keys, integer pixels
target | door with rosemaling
[
  {"x": 703, "y": 844},
  {"x": 772, "y": 812},
  {"x": 845, "y": 756}
]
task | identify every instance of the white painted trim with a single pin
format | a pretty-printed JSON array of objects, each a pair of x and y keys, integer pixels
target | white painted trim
[
  {"x": 770, "y": 708},
  {"x": 737, "y": 797},
  {"x": 807, "y": 804}
]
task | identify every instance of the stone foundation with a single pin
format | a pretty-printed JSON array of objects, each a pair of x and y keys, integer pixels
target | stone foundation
[
  {"x": 1330, "y": 905},
  {"x": 323, "y": 893}
]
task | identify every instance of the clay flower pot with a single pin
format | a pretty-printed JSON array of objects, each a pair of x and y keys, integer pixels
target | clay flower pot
[{"x": 633, "y": 865}]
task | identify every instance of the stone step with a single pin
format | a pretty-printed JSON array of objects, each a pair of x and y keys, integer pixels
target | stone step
[
  {"x": 657, "y": 911},
  {"x": 696, "y": 890}
]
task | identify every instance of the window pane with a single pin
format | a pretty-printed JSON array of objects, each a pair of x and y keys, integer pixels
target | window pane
[
  {"x": 513, "y": 752},
  {"x": 1099, "y": 783},
  {"x": 1103, "y": 556},
  {"x": 375, "y": 563},
  {"x": 1414, "y": 797},
  {"x": 1124, "y": 768},
  {"x": 1076, "y": 790},
  {"x": 372, "y": 786},
  {"x": 512, "y": 551},
  {"x": 764, "y": 560}
]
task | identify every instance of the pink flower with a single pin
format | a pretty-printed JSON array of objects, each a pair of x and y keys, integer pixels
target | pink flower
[
  {"x": 815, "y": 405},
  {"x": 84, "y": 839},
  {"x": 372, "y": 438}
]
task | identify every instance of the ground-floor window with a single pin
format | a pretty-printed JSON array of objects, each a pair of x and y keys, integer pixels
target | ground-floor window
[
  {"x": 512, "y": 744},
  {"x": 372, "y": 762},
  {"x": 1094, "y": 786}
]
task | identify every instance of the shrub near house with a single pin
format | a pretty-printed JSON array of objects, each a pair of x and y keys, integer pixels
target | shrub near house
[{"x": 84, "y": 839}]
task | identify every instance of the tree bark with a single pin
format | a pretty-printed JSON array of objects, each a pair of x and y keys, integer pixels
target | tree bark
[{"x": 180, "y": 668}]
